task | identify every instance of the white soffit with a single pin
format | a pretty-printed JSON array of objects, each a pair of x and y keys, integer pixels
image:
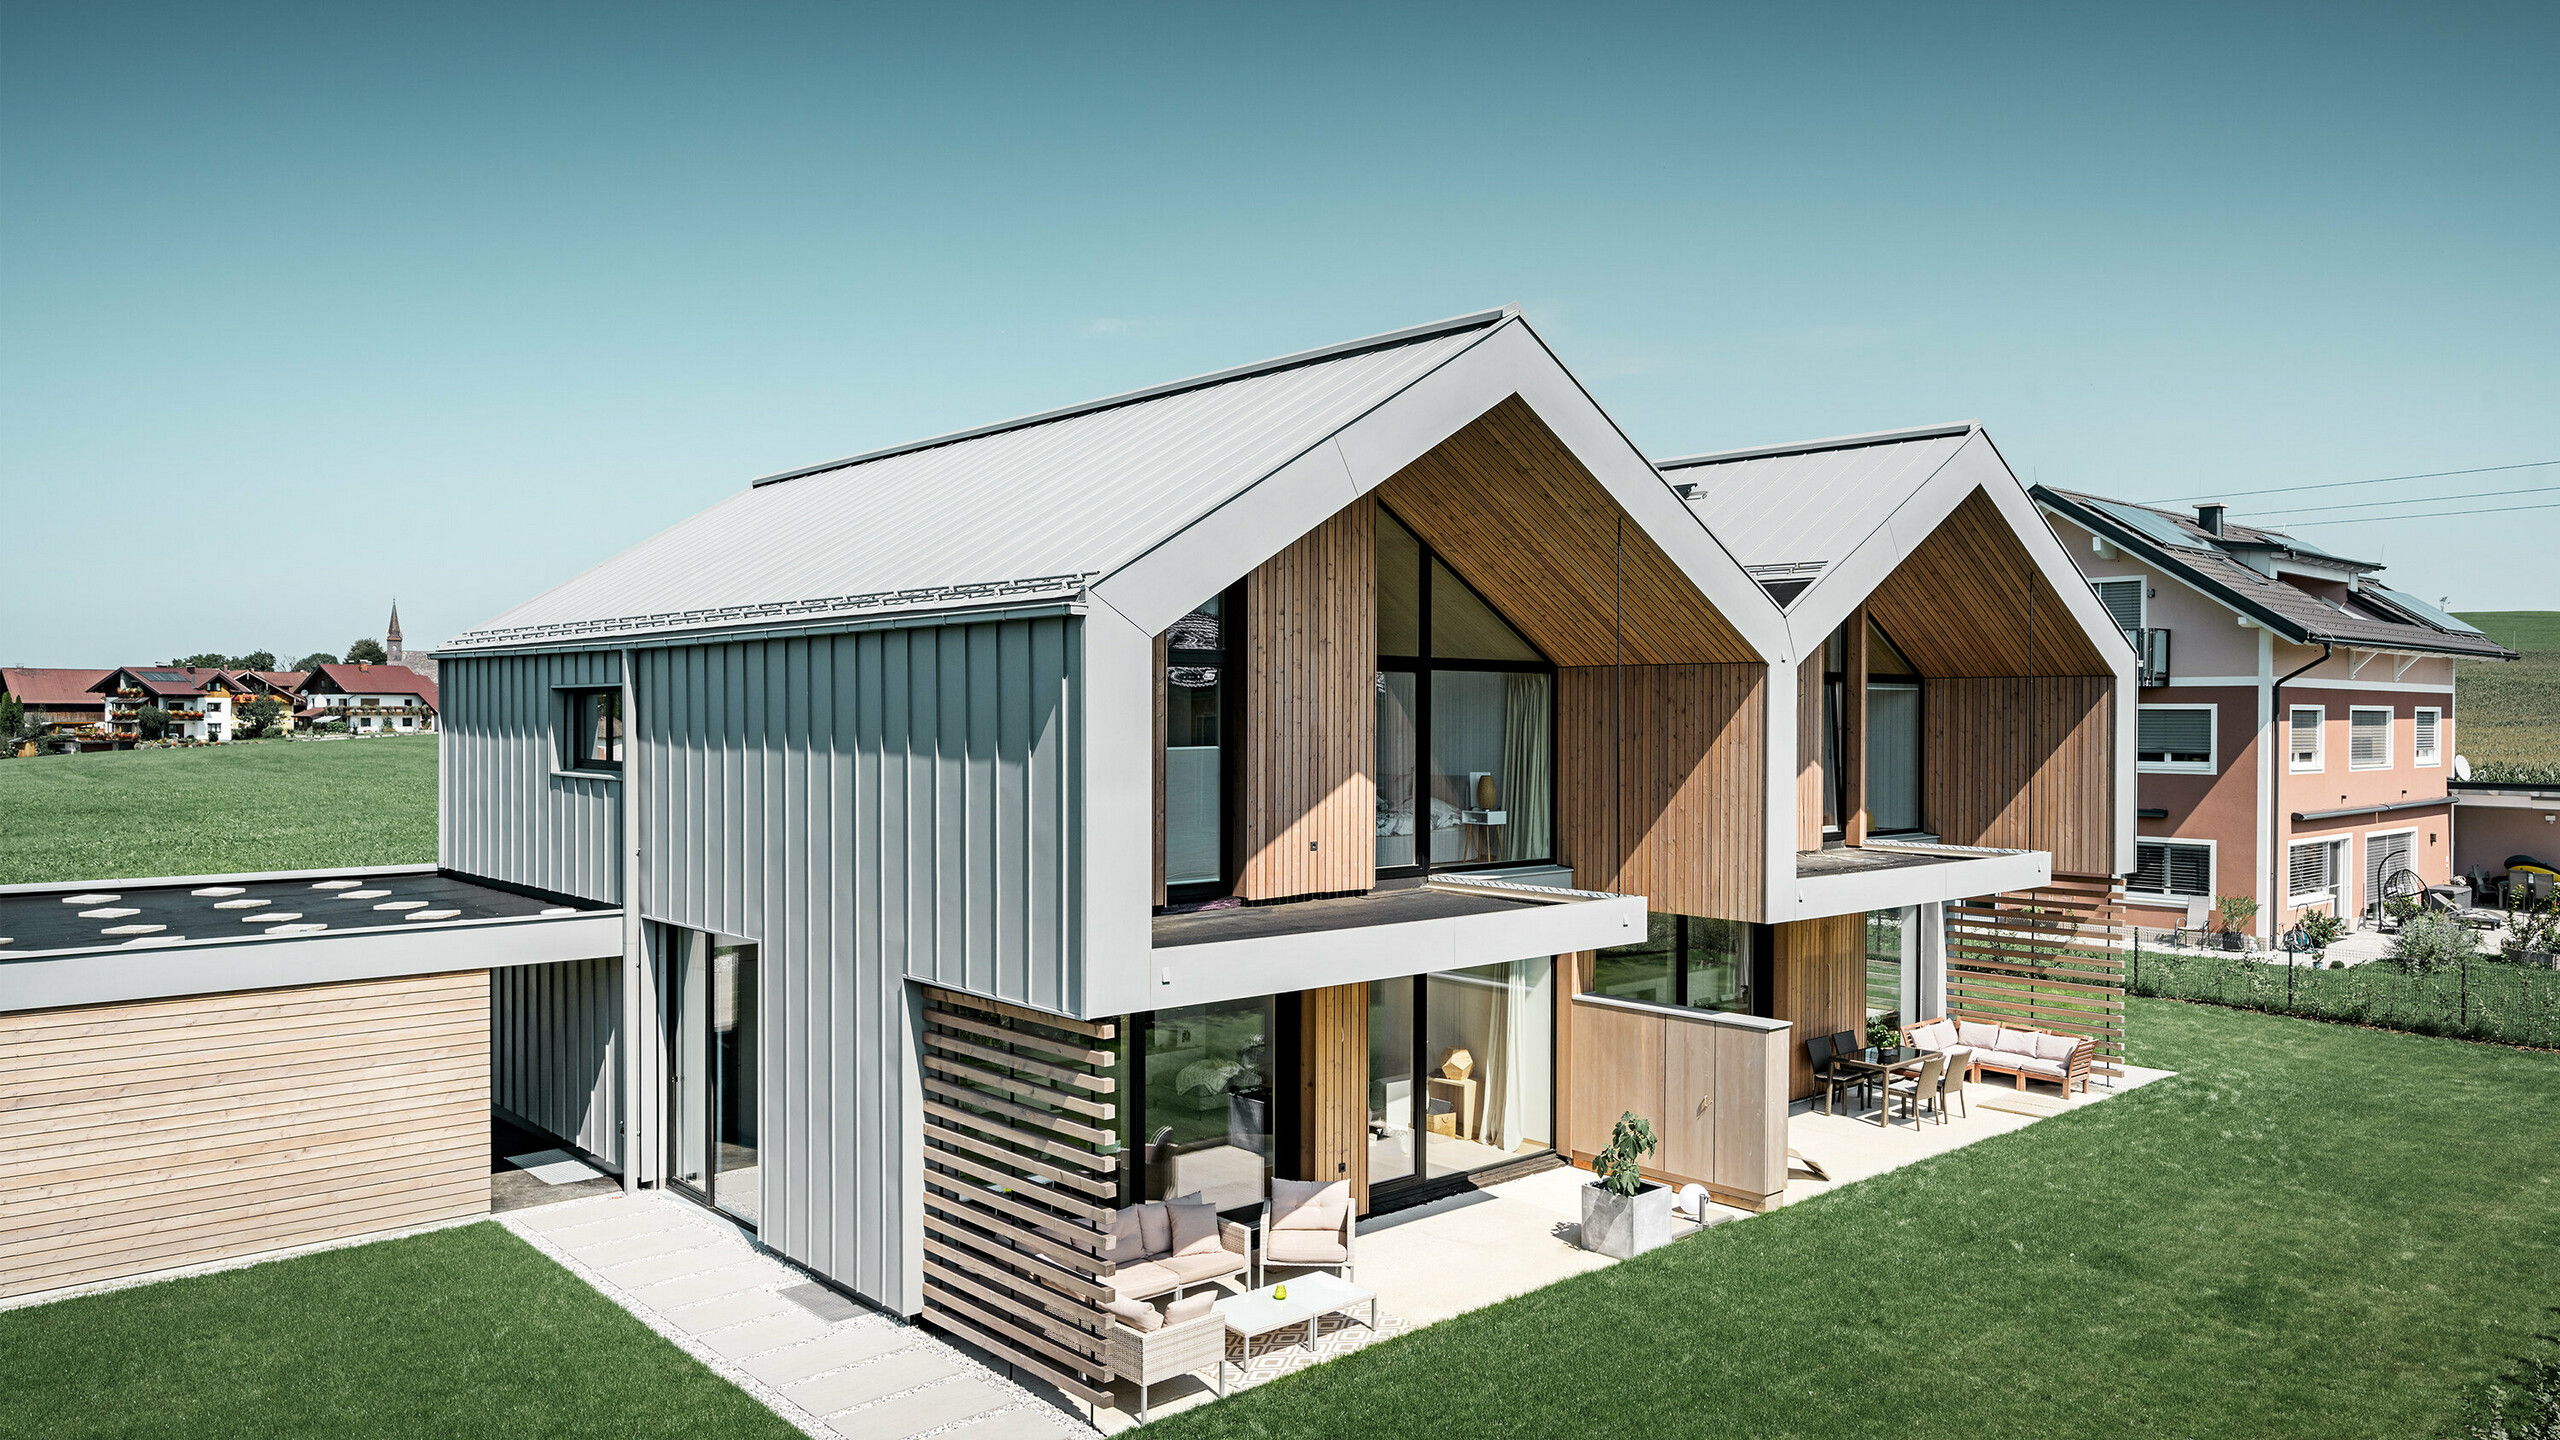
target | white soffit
[{"x": 1811, "y": 505}]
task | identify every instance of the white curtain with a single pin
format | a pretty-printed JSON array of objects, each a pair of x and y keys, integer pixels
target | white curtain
[
  {"x": 1522, "y": 1047},
  {"x": 1526, "y": 752}
]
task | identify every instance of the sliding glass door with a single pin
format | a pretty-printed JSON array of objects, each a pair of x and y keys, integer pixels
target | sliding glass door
[
  {"x": 1461, "y": 1072},
  {"x": 713, "y": 1096}
]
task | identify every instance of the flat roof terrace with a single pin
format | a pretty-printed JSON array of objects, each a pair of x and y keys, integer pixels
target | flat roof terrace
[{"x": 112, "y": 940}]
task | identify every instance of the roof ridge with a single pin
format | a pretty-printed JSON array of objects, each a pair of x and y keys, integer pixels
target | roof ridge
[
  {"x": 1814, "y": 447},
  {"x": 1479, "y": 320}
]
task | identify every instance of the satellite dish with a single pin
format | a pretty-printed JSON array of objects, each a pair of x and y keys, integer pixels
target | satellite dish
[{"x": 2461, "y": 768}]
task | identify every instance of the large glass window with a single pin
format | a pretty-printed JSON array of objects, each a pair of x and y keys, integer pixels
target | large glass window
[
  {"x": 1195, "y": 709},
  {"x": 1684, "y": 960},
  {"x": 1488, "y": 1093},
  {"x": 713, "y": 1081},
  {"x": 1205, "y": 1102},
  {"x": 1392, "y": 1145},
  {"x": 1452, "y": 670},
  {"x": 1893, "y": 737},
  {"x": 1888, "y": 931}
]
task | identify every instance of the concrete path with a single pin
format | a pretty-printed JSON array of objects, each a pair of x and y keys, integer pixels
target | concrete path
[{"x": 824, "y": 1363}]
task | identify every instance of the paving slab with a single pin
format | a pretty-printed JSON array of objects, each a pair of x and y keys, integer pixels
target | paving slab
[
  {"x": 790, "y": 1328},
  {"x": 654, "y": 1269},
  {"x": 961, "y": 1399},
  {"x": 643, "y": 1247},
  {"x": 849, "y": 1346},
  {"x": 553, "y": 1218},
  {"x": 1022, "y": 1422},
  {"x": 731, "y": 1310},
  {"x": 697, "y": 1286},
  {"x": 619, "y": 1222},
  {"x": 861, "y": 1384}
]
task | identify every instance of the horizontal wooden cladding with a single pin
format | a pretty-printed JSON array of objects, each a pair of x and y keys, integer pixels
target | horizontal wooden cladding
[
  {"x": 1531, "y": 528},
  {"x": 1014, "y": 1193},
  {"x": 1310, "y": 669},
  {"x": 1667, "y": 799},
  {"x": 1819, "y": 972},
  {"x": 2022, "y": 763},
  {"x": 172, "y": 1132},
  {"x": 1970, "y": 600},
  {"x": 2043, "y": 959}
]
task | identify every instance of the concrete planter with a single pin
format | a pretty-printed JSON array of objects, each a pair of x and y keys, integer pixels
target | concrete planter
[{"x": 1625, "y": 1226}]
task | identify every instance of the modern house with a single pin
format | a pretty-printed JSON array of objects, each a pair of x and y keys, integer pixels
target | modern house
[
  {"x": 1362, "y": 765},
  {"x": 384, "y": 699},
  {"x": 61, "y": 701},
  {"x": 2297, "y": 716}
]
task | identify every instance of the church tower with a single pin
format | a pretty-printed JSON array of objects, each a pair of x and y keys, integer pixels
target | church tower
[{"x": 391, "y": 641}]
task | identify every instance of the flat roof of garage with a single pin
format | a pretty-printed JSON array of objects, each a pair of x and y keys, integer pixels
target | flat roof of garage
[{"x": 50, "y": 919}]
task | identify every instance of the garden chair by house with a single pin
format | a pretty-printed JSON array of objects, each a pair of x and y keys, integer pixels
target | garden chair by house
[
  {"x": 1308, "y": 1224},
  {"x": 1822, "y": 1051},
  {"x": 1147, "y": 1349},
  {"x": 1919, "y": 1089},
  {"x": 1951, "y": 1083},
  {"x": 1167, "y": 1246}
]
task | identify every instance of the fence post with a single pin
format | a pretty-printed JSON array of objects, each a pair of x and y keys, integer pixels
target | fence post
[
  {"x": 2465, "y": 1016},
  {"x": 2288, "y": 981}
]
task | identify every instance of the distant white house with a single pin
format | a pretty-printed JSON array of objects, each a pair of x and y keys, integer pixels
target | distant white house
[{"x": 389, "y": 698}]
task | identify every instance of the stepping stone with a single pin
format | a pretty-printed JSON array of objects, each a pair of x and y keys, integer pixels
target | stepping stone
[
  {"x": 605, "y": 1255},
  {"x": 789, "y": 1328},
  {"x": 1031, "y": 1422},
  {"x": 693, "y": 1289},
  {"x": 730, "y": 1310},
  {"x": 569, "y": 1217},
  {"x": 220, "y": 890},
  {"x": 90, "y": 899},
  {"x": 845, "y": 1347},
  {"x": 677, "y": 1263},
  {"x": 963, "y": 1399},
  {"x": 621, "y": 1223},
  {"x": 905, "y": 1370}
]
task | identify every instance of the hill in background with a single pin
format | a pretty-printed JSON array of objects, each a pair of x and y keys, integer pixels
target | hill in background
[{"x": 2511, "y": 712}]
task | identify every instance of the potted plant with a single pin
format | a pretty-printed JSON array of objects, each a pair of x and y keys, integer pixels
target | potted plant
[
  {"x": 2236, "y": 912},
  {"x": 2320, "y": 930},
  {"x": 1882, "y": 1033},
  {"x": 1624, "y": 1214}
]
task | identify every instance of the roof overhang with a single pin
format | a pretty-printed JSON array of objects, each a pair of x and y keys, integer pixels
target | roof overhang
[
  {"x": 1913, "y": 874},
  {"x": 1488, "y": 922},
  {"x": 2392, "y": 808}
]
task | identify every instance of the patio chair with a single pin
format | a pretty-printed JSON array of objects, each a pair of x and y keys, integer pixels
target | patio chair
[
  {"x": 1308, "y": 1225},
  {"x": 1923, "y": 1086},
  {"x": 1186, "y": 1346},
  {"x": 1951, "y": 1084},
  {"x": 1830, "y": 1075}
]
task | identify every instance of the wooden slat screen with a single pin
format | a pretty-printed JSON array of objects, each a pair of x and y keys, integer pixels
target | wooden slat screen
[
  {"x": 161, "y": 1133},
  {"x": 1020, "y": 1185},
  {"x": 2044, "y": 959}
]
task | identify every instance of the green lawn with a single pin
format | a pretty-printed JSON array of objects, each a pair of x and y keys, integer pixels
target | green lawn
[
  {"x": 460, "y": 1332},
  {"x": 205, "y": 810},
  {"x": 2511, "y": 711},
  {"x": 2313, "y": 1229}
]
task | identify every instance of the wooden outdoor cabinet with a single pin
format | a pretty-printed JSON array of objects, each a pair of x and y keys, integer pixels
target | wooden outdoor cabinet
[{"x": 1714, "y": 1086}]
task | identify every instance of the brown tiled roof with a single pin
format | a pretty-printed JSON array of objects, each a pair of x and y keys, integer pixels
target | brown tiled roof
[{"x": 52, "y": 687}]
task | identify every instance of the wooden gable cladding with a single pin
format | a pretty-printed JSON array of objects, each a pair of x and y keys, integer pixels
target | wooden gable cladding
[
  {"x": 1818, "y": 976},
  {"x": 1514, "y": 512},
  {"x": 1809, "y": 778},
  {"x": 1310, "y": 673},
  {"x": 2023, "y": 764},
  {"x": 1668, "y": 802},
  {"x": 1971, "y": 601}
]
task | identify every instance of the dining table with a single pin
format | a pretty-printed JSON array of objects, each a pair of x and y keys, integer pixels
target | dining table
[{"x": 1885, "y": 1063}]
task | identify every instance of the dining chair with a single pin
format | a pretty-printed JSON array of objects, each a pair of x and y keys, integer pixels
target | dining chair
[
  {"x": 1951, "y": 1083},
  {"x": 1848, "y": 1042},
  {"x": 1826, "y": 1074},
  {"x": 1923, "y": 1086}
]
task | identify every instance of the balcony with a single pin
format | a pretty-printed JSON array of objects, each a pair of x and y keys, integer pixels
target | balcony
[{"x": 2151, "y": 656}]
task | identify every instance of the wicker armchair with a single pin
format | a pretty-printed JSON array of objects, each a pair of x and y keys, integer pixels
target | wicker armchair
[
  {"x": 1150, "y": 1357},
  {"x": 1308, "y": 1225}
]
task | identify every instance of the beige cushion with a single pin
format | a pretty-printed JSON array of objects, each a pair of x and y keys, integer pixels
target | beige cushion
[
  {"x": 1977, "y": 1034},
  {"x": 2055, "y": 1047},
  {"x": 2015, "y": 1041},
  {"x": 1936, "y": 1035},
  {"x": 1136, "y": 1314},
  {"x": 1305, "y": 1247},
  {"x": 1190, "y": 1307},
  {"x": 1154, "y": 1228},
  {"x": 2036, "y": 1065},
  {"x": 1200, "y": 1269},
  {"x": 1310, "y": 1204},
  {"x": 1147, "y": 1277},
  {"x": 1195, "y": 1229}
]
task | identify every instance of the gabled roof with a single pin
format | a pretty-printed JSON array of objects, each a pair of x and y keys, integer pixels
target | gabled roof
[
  {"x": 157, "y": 680},
  {"x": 372, "y": 680},
  {"x": 1036, "y": 508},
  {"x": 52, "y": 687},
  {"x": 2373, "y": 619},
  {"x": 1789, "y": 511}
]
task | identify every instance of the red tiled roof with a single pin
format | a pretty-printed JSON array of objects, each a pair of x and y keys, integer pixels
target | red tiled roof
[
  {"x": 52, "y": 687},
  {"x": 378, "y": 680}
]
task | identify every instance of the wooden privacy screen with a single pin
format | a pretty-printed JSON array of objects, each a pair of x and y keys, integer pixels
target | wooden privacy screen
[
  {"x": 2045, "y": 959},
  {"x": 1818, "y": 970},
  {"x": 1020, "y": 1185},
  {"x": 160, "y": 1133},
  {"x": 1687, "y": 761}
]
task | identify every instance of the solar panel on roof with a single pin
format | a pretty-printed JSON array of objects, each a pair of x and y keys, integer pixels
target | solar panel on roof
[
  {"x": 2424, "y": 611},
  {"x": 2153, "y": 526}
]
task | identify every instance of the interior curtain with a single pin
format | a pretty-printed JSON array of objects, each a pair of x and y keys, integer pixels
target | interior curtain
[
  {"x": 1527, "y": 752},
  {"x": 1508, "y": 1106}
]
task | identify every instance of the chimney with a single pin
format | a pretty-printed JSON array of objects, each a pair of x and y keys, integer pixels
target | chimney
[{"x": 2209, "y": 515}]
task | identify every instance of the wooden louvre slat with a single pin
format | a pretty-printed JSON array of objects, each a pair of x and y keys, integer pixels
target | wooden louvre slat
[
  {"x": 1046, "y": 1146},
  {"x": 954, "y": 1000},
  {"x": 1025, "y": 1113},
  {"x": 1083, "y": 1237},
  {"x": 1024, "y": 1163},
  {"x": 1042, "y": 1043},
  {"x": 984, "y": 1339},
  {"x": 1093, "y": 1109},
  {"x": 1095, "y": 1084},
  {"x": 1045, "y": 1194}
]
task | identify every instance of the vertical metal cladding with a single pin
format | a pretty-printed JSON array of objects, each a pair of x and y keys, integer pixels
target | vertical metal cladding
[
  {"x": 554, "y": 1059},
  {"x": 870, "y": 808},
  {"x": 512, "y": 814}
]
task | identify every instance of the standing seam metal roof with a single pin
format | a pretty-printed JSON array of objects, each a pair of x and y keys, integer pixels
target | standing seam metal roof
[
  {"x": 1037, "y": 508},
  {"x": 1810, "y": 506}
]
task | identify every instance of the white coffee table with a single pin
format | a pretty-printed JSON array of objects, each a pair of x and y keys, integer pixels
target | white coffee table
[{"x": 1312, "y": 1296}]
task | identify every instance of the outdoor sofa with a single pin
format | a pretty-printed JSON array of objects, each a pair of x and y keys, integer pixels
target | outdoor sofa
[
  {"x": 2010, "y": 1050},
  {"x": 1166, "y": 1246}
]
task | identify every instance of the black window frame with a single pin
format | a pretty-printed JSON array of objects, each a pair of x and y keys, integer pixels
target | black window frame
[
  {"x": 574, "y": 734},
  {"x": 1920, "y": 748},
  {"x": 1231, "y": 729},
  {"x": 1421, "y": 667},
  {"x": 1763, "y": 960}
]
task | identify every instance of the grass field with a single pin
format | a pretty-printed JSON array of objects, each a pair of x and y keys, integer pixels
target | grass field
[
  {"x": 459, "y": 1332},
  {"x": 268, "y": 805},
  {"x": 2313, "y": 1229},
  {"x": 2511, "y": 711}
]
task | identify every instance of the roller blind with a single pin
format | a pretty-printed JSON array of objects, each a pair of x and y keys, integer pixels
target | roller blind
[
  {"x": 2368, "y": 739},
  {"x": 2175, "y": 734},
  {"x": 2313, "y": 869},
  {"x": 2306, "y": 737},
  {"x": 2425, "y": 730},
  {"x": 2384, "y": 857},
  {"x": 2163, "y": 867},
  {"x": 2123, "y": 599}
]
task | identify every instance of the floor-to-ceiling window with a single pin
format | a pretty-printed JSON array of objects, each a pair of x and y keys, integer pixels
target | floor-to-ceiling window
[
  {"x": 1893, "y": 737},
  {"x": 1465, "y": 721},
  {"x": 1888, "y": 942},
  {"x": 1200, "y": 696},
  {"x": 1196, "y": 1114},
  {"x": 713, "y": 1089},
  {"x": 1461, "y": 1071}
]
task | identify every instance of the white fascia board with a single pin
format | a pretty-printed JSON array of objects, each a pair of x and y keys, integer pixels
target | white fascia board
[
  {"x": 1778, "y": 789},
  {"x": 1160, "y": 586},
  {"x": 2474, "y": 800},
  {"x": 1112, "y": 805},
  {"x": 1820, "y": 895},
  {"x": 1237, "y": 969},
  {"x": 153, "y": 972}
]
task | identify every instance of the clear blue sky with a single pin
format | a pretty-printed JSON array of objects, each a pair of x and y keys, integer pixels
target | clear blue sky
[{"x": 305, "y": 308}]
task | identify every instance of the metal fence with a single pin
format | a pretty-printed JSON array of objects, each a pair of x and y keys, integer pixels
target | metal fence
[{"x": 2482, "y": 998}]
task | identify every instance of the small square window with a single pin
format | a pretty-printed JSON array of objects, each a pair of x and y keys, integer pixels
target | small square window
[{"x": 595, "y": 729}]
